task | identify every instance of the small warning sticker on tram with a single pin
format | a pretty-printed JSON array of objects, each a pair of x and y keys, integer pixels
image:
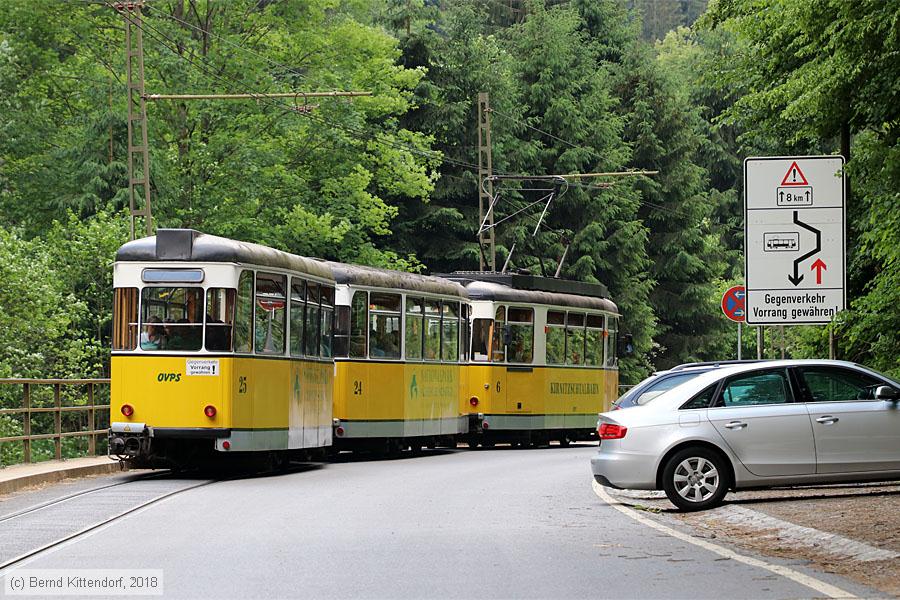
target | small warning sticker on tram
[{"x": 207, "y": 366}]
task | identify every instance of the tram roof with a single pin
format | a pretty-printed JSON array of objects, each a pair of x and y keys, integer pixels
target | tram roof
[
  {"x": 384, "y": 278},
  {"x": 173, "y": 245},
  {"x": 489, "y": 290}
]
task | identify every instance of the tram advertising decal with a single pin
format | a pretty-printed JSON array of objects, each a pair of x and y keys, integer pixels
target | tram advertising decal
[{"x": 575, "y": 389}]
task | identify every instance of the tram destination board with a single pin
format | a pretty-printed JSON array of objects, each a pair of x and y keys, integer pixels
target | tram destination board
[{"x": 794, "y": 239}]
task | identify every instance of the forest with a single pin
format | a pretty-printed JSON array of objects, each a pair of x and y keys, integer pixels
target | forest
[{"x": 677, "y": 88}]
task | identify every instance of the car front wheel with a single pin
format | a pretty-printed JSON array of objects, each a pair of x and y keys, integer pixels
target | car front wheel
[{"x": 695, "y": 479}]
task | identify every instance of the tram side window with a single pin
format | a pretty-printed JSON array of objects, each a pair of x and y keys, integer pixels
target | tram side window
[
  {"x": 311, "y": 331},
  {"x": 384, "y": 321},
  {"x": 481, "y": 339},
  {"x": 125, "y": 319},
  {"x": 498, "y": 343},
  {"x": 575, "y": 339},
  {"x": 342, "y": 331},
  {"x": 243, "y": 317},
  {"x": 415, "y": 324},
  {"x": 297, "y": 315},
  {"x": 432, "y": 329},
  {"x": 464, "y": 331},
  {"x": 521, "y": 335},
  {"x": 270, "y": 319},
  {"x": 593, "y": 353},
  {"x": 172, "y": 318},
  {"x": 556, "y": 337},
  {"x": 450, "y": 332},
  {"x": 359, "y": 324},
  {"x": 327, "y": 321},
  {"x": 611, "y": 341},
  {"x": 219, "y": 319}
]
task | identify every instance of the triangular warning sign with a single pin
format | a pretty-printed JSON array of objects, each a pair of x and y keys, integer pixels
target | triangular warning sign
[{"x": 794, "y": 176}]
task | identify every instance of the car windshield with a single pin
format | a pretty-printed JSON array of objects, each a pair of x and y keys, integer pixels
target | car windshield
[{"x": 880, "y": 374}]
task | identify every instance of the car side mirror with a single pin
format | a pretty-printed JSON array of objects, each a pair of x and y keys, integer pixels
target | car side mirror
[{"x": 886, "y": 392}]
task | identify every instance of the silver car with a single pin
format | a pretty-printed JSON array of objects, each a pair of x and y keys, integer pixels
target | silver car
[{"x": 785, "y": 422}]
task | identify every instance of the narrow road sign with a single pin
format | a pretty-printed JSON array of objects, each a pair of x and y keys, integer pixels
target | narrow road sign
[
  {"x": 794, "y": 242},
  {"x": 733, "y": 303}
]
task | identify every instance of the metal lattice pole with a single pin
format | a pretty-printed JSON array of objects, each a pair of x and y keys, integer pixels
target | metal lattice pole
[
  {"x": 138, "y": 149},
  {"x": 485, "y": 184}
]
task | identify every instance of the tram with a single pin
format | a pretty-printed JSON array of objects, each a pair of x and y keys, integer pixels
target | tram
[
  {"x": 400, "y": 350},
  {"x": 218, "y": 346},
  {"x": 543, "y": 359},
  {"x": 225, "y": 347}
]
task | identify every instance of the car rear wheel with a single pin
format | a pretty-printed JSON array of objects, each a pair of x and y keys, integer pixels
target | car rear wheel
[{"x": 695, "y": 479}]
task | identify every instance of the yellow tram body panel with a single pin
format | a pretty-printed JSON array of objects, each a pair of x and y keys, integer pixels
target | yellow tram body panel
[
  {"x": 249, "y": 395},
  {"x": 539, "y": 397},
  {"x": 397, "y": 399}
]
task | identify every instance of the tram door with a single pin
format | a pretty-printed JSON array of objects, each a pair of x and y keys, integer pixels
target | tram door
[
  {"x": 519, "y": 334},
  {"x": 498, "y": 358}
]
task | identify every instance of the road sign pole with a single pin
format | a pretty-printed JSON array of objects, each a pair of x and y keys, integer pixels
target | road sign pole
[
  {"x": 759, "y": 343},
  {"x": 740, "y": 325}
]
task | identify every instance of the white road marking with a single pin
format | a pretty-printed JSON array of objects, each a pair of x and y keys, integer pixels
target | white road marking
[
  {"x": 819, "y": 586},
  {"x": 828, "y": 543}
]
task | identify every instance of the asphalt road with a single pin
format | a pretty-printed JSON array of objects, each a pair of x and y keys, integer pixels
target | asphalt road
[{"x": 465, "y": 524}]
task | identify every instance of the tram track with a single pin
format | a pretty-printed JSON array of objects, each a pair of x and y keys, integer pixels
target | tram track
[
  {"x": 18, "y": 521},
  {"x": 66, "y": 498},
  {"x": 34, "y": 530}
]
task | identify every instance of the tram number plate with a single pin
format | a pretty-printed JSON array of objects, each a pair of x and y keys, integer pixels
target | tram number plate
[{"x": 209, "y": 367}]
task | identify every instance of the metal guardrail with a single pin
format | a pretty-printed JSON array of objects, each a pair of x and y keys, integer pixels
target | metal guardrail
[{"x": 57, "y": 409}]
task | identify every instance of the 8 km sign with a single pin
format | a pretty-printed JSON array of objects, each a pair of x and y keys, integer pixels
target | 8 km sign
[{"x": 794, "y": 243}]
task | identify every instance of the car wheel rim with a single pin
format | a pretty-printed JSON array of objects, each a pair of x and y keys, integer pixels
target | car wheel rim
[{"x": 696, "y": 479}]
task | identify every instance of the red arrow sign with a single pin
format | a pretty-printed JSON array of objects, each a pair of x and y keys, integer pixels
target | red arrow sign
[{"x": 818, "y": 267}]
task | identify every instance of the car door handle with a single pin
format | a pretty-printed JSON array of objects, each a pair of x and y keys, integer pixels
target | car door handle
[
  {"x": 827, "y": 420},
  {"x": 735, "y": 425}
]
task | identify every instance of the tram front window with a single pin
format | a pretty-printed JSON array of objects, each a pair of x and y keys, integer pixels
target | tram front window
[
  {"x": 219, "y": 319},
  {"x": 171, "y": 318},
  {"x": 521, "y": 335},
  {"x": 384, "y": 333}
]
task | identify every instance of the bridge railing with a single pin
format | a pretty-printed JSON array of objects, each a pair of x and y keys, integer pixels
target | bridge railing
[{"x": 42, "y": 419}]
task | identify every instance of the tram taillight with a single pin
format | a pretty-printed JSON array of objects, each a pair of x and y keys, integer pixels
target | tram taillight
[
  {"x": 127, "y": 410},
  {"x": 209, "y": 411}
]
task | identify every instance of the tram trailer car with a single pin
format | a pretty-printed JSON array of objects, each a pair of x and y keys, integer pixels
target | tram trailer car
[
  {"x": 542, "y": 361},
  {"x": 219, "y": 346},
  {"x": 400, "y": 354}
]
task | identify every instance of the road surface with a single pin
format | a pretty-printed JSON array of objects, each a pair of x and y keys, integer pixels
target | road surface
[{"x": 499, "y": 523}]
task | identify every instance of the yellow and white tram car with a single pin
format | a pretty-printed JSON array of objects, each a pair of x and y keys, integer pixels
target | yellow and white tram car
[
  {"x": 218, "y": 345},
  {"x": 400, "y": 347},
  {"x": 543, "y": 360}
]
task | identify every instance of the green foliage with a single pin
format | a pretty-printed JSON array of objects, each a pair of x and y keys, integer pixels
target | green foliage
[
  {"x": 822, "y": 76},
  {"x": 389, "y": 179},
  {"x": 685, "y": 250}
]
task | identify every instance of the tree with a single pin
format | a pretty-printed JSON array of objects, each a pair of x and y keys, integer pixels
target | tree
[
  {"x": 822, "y": 77},
  {"x": 687, "y": 258},
  {"x": 566, "y": 91}
]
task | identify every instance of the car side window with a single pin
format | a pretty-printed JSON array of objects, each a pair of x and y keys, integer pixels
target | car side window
[
  {"x": 661, "y": 386},
  {"x": 829, "y": 384},
  {"x": 701, "y": 400},
  {"x": 770, "y": 387}
]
